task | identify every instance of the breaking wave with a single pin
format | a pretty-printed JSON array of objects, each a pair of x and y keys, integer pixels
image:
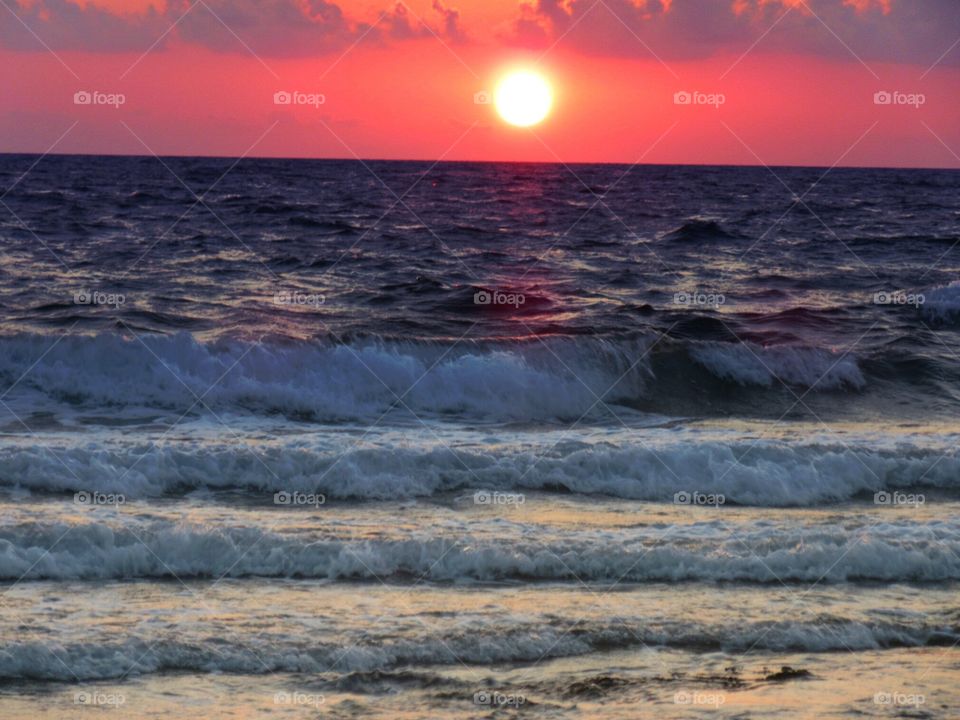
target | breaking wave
[
  {"x": 49, "y": 661},
  {"x": 703, "y": 552},
  {"x": 559, "y": 378},
  {"x": 760, "y": 472}
]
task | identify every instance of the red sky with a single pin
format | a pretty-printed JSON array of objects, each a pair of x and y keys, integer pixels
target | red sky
[{"x": 198, "y": 77}]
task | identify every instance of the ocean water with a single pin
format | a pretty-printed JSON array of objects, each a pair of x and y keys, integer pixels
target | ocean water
[{"x": 412, "y": 440}]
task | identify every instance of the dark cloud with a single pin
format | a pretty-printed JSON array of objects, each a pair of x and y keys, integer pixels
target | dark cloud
[
  {"x": 61, "y": 25},
  {"x": 401, "y": 24},
  {"x": 451, "y": 22},
  {"x": 270, "y": 28},
  {"x": 897, "y": 31}
]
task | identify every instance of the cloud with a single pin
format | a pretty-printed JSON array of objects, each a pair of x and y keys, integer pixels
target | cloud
[
  {"x": 269, "y": 28},
  {"x": 742, "y": 6},
  {"x": 401, "y": 23},
  {"x": 272, "y": 28},
  {"x": 451, "y": 21},
  {"x": 62, "y": 25},
  {"x": 861, "y": 5},
  {"x": 898, "y": 31}
]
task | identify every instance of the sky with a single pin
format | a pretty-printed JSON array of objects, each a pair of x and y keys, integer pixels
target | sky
[{"x": 769, "y": 82}]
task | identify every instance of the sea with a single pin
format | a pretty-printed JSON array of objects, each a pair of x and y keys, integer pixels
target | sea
[{"x": 343, "y": 439}]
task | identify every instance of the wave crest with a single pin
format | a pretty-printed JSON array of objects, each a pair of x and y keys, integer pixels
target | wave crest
[{"x": 530, "y": 380}]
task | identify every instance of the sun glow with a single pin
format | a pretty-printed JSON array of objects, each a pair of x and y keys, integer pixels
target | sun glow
[{"x": 523, "y": 98}]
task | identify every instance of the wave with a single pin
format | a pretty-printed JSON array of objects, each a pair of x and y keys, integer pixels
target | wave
[
  {"x": 755, "y": 472},
  {"x": 699, "y": 229},
  {"x": 329, "y": 662},
  {"x": 553, "y": 379},
  {"x": 800, "y": 366},
  {"x": 703, "y": 552},
  {"x": 942, "y": 304}
]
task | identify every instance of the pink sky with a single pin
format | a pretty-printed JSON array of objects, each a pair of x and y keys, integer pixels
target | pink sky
[{"x": 798, "y": 79}]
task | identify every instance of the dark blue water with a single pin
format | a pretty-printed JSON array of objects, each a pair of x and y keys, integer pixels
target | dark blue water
[{"x": 674, "y": 290}]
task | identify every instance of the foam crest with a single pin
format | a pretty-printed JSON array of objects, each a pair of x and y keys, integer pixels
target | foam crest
[
  {"x": 704, "y": 552},
  {"x": 519, "y": 643},
  {"x": 942, "y": 304},
  {"x": 804, "y": 367},
  {"x": 746, "y": 472}
]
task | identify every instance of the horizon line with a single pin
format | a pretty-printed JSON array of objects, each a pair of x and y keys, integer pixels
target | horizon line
[{"x": 560, "y": 163}]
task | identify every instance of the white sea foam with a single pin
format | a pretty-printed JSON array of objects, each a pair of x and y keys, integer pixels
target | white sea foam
[
  {"x": 559, "y": 378},
  {"x": 642, "y": 465},
  {"x": 512, "y": 381},
  {"x": 711, "y": 552},
  {"x": 496, "y": 645},
  {"x": 806, "y": 367},
  {"x": 942, "y": 303}
]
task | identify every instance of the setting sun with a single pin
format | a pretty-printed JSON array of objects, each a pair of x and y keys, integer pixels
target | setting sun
[{"x": 523, "y": 98}]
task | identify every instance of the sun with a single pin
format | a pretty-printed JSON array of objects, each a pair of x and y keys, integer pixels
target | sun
[{"x": 523, "y": 98}]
